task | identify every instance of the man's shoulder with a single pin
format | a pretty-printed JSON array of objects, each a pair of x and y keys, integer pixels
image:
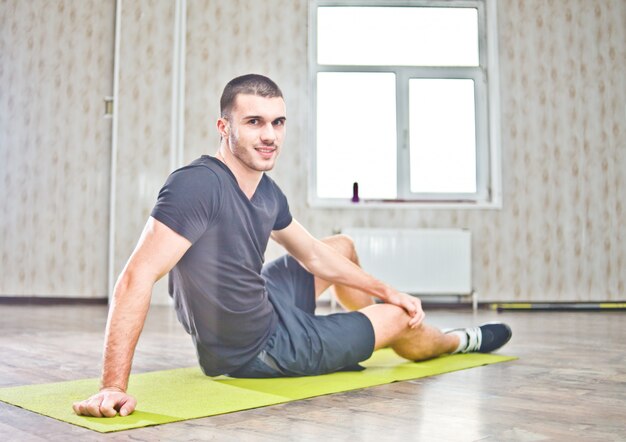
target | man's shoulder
[
  {"x": 190, "y": 199},
  {"x": 203, "y": 164},
  {"x": 202, "y": 167},
  {"x": 199, "y": 176}
]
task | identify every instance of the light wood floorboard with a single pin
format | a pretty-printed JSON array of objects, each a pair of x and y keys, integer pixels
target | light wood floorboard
[{"x": 568, "y": 385}]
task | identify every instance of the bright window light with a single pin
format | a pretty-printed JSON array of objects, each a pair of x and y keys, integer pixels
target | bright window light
[
  {"x": 404, "y": 102},
  {"x": 442, "y": 136},
  {"x": 356, "y": 134},
  {"x": 400, "y": 36}
]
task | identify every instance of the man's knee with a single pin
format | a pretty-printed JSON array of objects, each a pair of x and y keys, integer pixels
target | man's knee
[
  {"x": 390, "y": 323},
  {"x": 344, "y": 244}
]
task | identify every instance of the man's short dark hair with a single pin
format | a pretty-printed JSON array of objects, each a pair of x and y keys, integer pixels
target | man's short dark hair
[{"x": 250, "y": 84}]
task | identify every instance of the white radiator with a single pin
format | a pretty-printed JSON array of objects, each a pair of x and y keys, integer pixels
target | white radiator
[{"x": 417, "y": 261}]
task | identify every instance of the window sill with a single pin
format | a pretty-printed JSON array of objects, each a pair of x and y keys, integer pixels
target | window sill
[{"x": 318, "y": 203}]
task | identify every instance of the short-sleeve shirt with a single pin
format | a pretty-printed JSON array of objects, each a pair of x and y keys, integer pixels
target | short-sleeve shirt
[{"x": 217, "y": 287}]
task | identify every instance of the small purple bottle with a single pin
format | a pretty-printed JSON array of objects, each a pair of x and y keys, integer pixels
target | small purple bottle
[{"x": 355, "y": 193}]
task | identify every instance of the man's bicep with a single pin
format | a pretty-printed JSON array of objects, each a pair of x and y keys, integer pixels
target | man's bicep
[{"x": 158, "y": 250}]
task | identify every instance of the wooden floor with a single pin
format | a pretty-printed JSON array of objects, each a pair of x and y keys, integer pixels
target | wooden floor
[{"x": 568, "y": 385}]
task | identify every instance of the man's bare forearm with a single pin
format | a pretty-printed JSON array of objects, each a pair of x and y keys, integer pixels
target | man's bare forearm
[
  {"x": 158, "y": 250},
  {"x": 330, "y": 265},
  {"x": 127, "y": 315},
  {"x": 336, "y": 268}
]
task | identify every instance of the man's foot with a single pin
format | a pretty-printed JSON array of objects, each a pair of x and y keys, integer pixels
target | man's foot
[{"x": 483, "y": 339}]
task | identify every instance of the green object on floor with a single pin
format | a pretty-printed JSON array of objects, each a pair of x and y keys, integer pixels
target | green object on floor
[{"x": 185, "y": 393}]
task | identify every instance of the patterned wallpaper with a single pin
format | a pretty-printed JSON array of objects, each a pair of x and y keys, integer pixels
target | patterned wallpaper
[
  {"x": 563, "y": 230},
  {"x": 56, "y": 61},
  {"x": 560, "y": 235},
  {"x": 143, "y": 144}
]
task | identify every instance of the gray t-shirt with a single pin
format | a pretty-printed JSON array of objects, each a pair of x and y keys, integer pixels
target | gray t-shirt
[{"x": 218, "y": 291}]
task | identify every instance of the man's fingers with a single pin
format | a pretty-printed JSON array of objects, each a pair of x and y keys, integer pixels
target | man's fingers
[
  {"x": 128, "y": 407},
  {"x": 410, "y": 308},
  {"x": 417, "y": 319},
  {"x": 418, "y": 314},
  {"x": 80, "y": 408},
  {"x": 92, "y": 407},
  {"x": 413, "y": 308},
  {"x": 107, "y": 407}
]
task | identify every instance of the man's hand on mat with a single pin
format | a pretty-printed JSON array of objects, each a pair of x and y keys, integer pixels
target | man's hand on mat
[
  {"x": 411, "y": 304},
  {"x": 107, "y": 403}
]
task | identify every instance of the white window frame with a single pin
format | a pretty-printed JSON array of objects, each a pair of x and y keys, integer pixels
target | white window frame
[{"x": 486, "y": 86}]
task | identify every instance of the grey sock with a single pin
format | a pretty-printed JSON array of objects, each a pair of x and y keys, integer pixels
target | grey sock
[{"x": 463, "y": 340}]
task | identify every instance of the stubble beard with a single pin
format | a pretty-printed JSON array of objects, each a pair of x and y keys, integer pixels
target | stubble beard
[{"x": 246, "y": 156}]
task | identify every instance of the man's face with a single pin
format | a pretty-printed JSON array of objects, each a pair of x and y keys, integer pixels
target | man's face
[{"x": 256, "y": 129}]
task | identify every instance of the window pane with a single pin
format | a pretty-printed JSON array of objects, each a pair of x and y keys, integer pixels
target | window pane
[
  {"x": 402, "y": 36},
  {"x": 442, "y": 136},
  {"x": 356, "y": 134}
]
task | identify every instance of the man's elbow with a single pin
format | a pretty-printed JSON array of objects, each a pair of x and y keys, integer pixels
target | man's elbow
[{"x": 133, "y": 282}]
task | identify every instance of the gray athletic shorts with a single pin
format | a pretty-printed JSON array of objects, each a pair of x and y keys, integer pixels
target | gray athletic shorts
[{"x": 305, "y": 344}]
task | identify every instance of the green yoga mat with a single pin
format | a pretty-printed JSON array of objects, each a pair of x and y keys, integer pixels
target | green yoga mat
[{"x": 185, "y": 393}]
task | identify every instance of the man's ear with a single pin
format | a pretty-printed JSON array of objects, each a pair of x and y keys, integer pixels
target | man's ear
[{"x": 222, "y": 127}]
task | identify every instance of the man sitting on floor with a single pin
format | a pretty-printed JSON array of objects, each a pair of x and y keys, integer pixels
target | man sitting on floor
[{"x": 209, "y": 229}]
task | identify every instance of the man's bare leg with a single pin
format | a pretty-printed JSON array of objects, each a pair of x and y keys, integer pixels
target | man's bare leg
[
  {"x": 417, "y": 344},
  {"x": 350, "y": 298},
  {"x": 390, "y": 322},
  {"x": 391, "y": 330}
]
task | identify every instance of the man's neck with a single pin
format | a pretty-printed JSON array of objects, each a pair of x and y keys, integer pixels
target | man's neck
[{"x": 247, "y": 179}]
